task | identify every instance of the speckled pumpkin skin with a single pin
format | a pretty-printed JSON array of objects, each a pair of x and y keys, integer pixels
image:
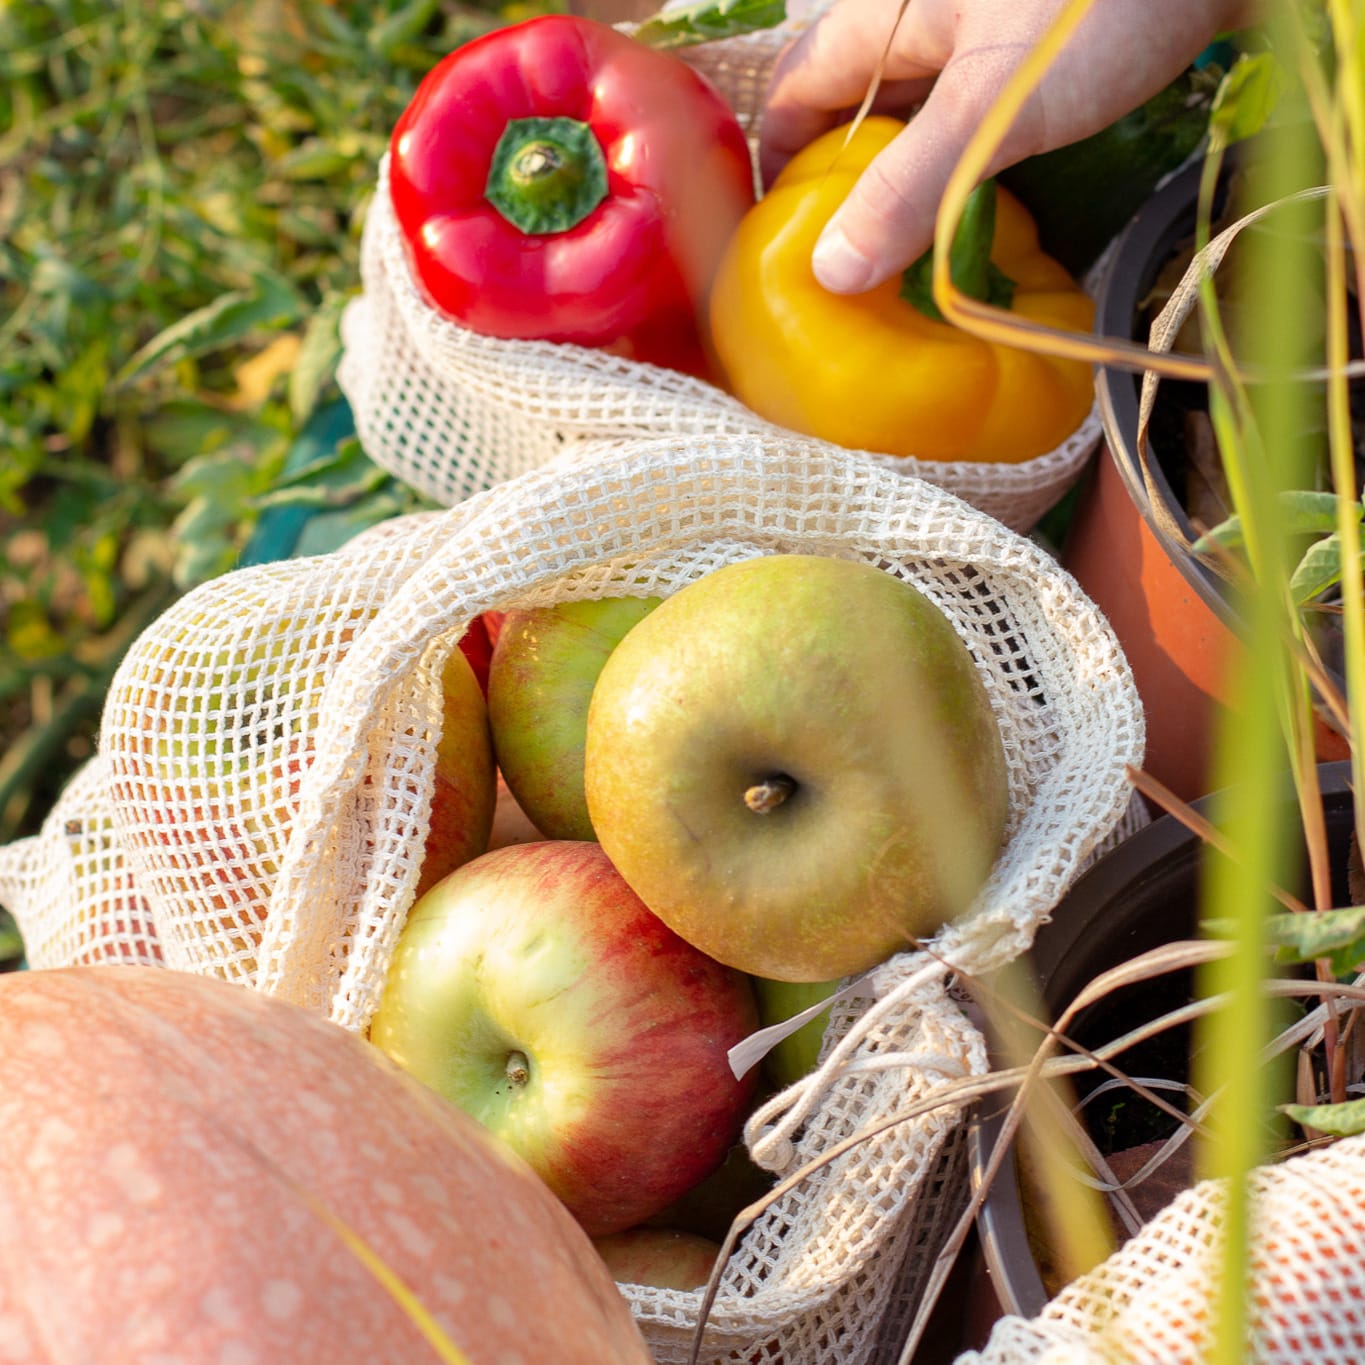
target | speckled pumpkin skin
[{"x": 172, "y": 1149}]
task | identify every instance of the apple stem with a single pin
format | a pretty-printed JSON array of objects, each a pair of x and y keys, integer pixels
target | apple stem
[
  {"x": 767, "y": 795},
  {"x": 518, "y": 1069}
]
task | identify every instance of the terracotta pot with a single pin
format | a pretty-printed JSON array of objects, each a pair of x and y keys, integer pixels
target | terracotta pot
[
  {"x": 1169, "y": 611},
  {"x": 1139, "y": 896}
]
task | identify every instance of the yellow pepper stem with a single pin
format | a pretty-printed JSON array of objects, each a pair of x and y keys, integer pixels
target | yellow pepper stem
[{"x": 969, "y": 261}]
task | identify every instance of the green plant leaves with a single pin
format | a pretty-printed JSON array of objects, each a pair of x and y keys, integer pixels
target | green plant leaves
[
  {"x": 1318, "y": 570},
  {"x": 222, "y": 491},
  {"x": 1246, "y": 98},
  {"x": 1305, "y": 513},
  {"x": 1338, "y": 1120},
  {"x": 1302, "y": 513},
  {"x": 708, "y": 20},
  {"x": 271, "y": 303},
  {"x": 316, "y": 362},
  {"x": 1335, "y": 936},
  {"x": 403, "y": 26}
]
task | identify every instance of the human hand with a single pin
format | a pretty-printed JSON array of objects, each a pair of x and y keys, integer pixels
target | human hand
[{"x": 956, "y": 56}]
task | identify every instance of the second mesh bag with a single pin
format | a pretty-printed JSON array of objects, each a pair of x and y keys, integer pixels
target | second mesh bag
[{"x": 451, "y": 412}]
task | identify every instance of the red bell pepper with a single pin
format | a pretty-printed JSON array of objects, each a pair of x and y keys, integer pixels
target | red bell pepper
[{"x": 558, "y": 179}]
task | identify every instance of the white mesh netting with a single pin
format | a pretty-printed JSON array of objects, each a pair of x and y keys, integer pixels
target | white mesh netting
[
  {"x": 1151, "y": 1302},
  {"x": 265, "y": 769},
  {"x": 451, "y": 412}
]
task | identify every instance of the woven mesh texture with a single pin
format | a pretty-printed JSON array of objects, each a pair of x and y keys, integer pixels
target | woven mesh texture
[
  {"x": 71, "y": 886},
  {"x": 265, "y": 773},
  {"x": 1151, "y": 1301},
  {"x": 451, "y": 412}
]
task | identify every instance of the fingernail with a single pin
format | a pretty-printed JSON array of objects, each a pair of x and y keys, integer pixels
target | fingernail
[{"x": 838, "y": 264}]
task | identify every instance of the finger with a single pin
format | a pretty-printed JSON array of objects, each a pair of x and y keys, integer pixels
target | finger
[
  {"x": 826, "y": 73},
  {"x": 888, "y": 218},
  {"x": 899, "y": 99}
]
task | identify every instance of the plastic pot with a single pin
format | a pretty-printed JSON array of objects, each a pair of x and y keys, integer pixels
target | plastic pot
[
  {"x": 1169, "y": 611},
  {"x": 1139, "y": 896}
]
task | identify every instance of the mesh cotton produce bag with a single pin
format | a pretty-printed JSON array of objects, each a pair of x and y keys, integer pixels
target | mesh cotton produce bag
[
  {"x": 451, "y": 412},
  {"x": 1151, "y": 1301},
  {"x": 265, "y": 769}
]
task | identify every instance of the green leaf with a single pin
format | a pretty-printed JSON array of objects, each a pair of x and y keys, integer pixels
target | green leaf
[
  {"x": 708, "y": 20},
  {"x": 55, "y": 277},
  {"x": 318, "y": 496},
  {"x": 1309, "y": 511},
  {"x": 1338, "y": 936},
  {"x": 183, "y": 428},
  {"x": 11, "y": 945},
  {"x": 30, "y": 635},
  {"x": 1318, "y": 570},
  {"x": 221, "y": 492},
  {"x": 1340, "y": 1120},
  {"x": 1304, "y": 512},
  {"x": 401, "y": 27},
  {"x": 1246, "y": 98},
  {"x": 314, "y": 159},
  {"x": 229, "y": 318},
  {"x": 317, "y": 358}
]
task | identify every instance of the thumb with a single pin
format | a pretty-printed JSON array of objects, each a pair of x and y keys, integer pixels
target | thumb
[{"x": 887, "y": 219}]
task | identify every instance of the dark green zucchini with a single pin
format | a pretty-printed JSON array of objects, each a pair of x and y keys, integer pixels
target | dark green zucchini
[{"x": 1083, "y": 194}]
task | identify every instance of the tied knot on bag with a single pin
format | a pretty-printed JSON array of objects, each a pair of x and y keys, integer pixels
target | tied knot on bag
[{"x": 773, "y": 1129}]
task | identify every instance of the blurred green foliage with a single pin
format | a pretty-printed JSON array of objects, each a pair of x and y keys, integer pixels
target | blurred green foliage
[{"x": 182, "y": 187}]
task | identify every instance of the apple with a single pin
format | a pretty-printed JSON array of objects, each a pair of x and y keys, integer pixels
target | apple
[
  {"x": 794, "y": 763},
  {"x": 464, "y": 792},
  {"x": 492, "y": 624},
  {"x": 533, "y": 989},
  {"x": 798, "y": 1053},
  {"x": 476, "y": 644},
  {"x": 544, "y": 667},
  {"x": 663, "y": 1257},
  {"x": 709, "y": 1208}
]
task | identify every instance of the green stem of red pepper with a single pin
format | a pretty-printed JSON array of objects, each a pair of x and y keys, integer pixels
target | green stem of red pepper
[
  {"x": 969, "y": 262},
  {"x": 547, "y": 174}
]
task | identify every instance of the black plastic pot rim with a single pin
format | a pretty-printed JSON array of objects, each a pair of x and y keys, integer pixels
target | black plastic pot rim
[{"x": 1004, "y": 1240}]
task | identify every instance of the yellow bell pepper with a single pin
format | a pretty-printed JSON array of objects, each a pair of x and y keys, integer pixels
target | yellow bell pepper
[{"x": 871, "y": 371}]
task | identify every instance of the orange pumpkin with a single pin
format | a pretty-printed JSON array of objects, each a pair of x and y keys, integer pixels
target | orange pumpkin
[{"x": 191, "y": 1171}]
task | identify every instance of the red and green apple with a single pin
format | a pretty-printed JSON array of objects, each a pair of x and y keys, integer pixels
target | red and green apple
[{"x": 533, "y": 989}]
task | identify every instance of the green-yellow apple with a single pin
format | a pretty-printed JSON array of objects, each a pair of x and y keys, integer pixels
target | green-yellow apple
[
  {"x": 794, "y": 762},
  {"x": 663, "y": 1257},
  {"x": 797, "y": 1054},
  {"x": 535, "y": 990},
  {"x": 544, "y": 666}
]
